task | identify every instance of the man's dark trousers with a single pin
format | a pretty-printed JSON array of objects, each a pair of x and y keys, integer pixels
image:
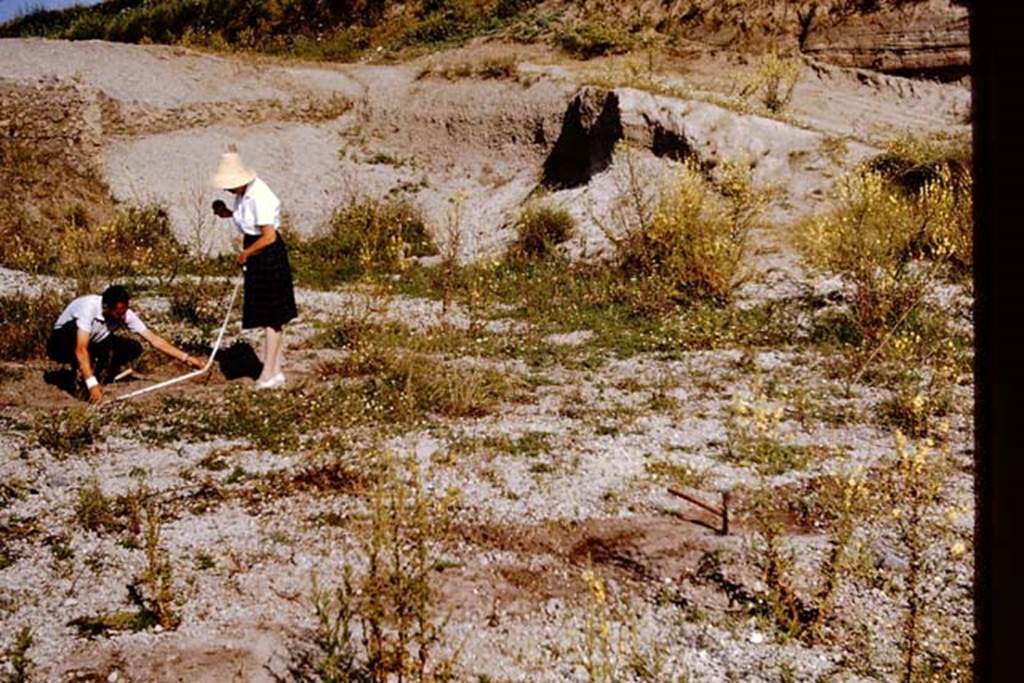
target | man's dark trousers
[{"x": 107, "y": 356}]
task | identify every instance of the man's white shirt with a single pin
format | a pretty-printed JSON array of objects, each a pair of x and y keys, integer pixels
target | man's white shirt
[{"x": 87, "y": 312}]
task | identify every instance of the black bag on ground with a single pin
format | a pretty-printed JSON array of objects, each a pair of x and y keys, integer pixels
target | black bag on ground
[{"x": 239, "y": 360}]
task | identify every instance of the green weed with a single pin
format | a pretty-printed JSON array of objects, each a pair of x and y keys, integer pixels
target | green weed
[
  {"x": 67, "y": 431},
  {"x": 394, "y": 606},
  {"x": 364, "y": 237},
  {"x": 540, "y": 229},
  {"x": 26, "y": 322}
]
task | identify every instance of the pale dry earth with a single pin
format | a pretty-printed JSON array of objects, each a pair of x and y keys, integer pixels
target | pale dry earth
[{"x": 156, "y": 119}]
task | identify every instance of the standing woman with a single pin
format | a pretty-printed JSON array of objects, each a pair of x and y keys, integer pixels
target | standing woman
[{"x": 269, "y": 297}]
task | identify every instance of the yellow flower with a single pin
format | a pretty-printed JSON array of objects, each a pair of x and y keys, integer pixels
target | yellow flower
[{"x": 958, "y": 549}]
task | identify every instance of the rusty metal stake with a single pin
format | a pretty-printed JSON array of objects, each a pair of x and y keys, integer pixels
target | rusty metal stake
[{"x": 723, "y": 513}]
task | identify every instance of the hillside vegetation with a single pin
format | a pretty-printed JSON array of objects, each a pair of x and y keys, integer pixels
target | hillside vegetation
[{"x": 319, "y": 29}]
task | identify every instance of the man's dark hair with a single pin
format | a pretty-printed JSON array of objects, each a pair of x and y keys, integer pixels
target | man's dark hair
[{"x": 115, "y": 294}]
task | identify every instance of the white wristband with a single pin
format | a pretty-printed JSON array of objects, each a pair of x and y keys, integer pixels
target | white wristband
[{"x": 90, "y": 382}]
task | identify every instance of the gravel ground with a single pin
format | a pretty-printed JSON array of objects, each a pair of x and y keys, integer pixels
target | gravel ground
[{"x": 569, "y": 477}]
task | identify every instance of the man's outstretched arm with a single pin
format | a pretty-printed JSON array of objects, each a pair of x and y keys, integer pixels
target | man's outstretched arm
[
  {"x": 164, "y": 346},
  {"x": 85, "y": 366}
]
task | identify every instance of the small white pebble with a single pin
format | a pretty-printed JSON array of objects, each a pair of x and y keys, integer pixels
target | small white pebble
[
  {"x": 756, "y": 638},
  {"x": 112, "y": 678},
  {"x": 70, "y": 602}
]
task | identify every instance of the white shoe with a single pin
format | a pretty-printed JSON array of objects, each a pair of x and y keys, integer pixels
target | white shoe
[{"x": 275, "y": 381}]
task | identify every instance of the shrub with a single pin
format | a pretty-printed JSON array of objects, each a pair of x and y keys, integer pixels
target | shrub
[
  {"x": 365, "y": 236},
  {"x": 540, "y": 229},
  {"x": 911, "y": 492},
  {"x": 889, "y": 244},
  {"x": 775, "y": 80},
  {"x": 692, "y": 246},
  {"x": 934, "y": 174},
  {"x": 25, "y": 324},
  {"x": 594, "y": 37},
  {"x": 394, "y": 605},
  {"x": 199, "y": 304},
  {"x": 158, "y": 577},
  {"x": 847, "y": 500},
  {"x": 93, "y": 510},
  {"x": 137, "y": 241},
  {"x": 68, "y": 431},
  {"x": 754, "y": 438}
]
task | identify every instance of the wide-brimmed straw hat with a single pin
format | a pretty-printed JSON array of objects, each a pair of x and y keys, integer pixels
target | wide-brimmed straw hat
[{"x": 231, "y": 172}]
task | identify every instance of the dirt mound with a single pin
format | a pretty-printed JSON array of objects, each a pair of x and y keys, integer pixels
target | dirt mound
[
  {"x": 49, "y": 139},
  {"x": 468, "y": 151}
]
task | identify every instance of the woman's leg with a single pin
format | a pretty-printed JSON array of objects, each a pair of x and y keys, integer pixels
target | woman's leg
[
  {"x": 279, "y": 359},
  {"x": 271, "y": 353}
]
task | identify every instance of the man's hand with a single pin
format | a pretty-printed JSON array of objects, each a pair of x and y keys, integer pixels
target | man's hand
[
  {"x": 195, "y": 362},
  {"x": 95, "y": 394},
  {"x": 242, "y": 256}
]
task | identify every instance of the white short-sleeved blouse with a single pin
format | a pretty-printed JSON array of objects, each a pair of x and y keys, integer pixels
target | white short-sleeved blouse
[{"x": 257, "y": 206}]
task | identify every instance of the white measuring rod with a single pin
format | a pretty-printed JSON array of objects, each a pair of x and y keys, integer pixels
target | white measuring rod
[{"x": 194, "y": 373}]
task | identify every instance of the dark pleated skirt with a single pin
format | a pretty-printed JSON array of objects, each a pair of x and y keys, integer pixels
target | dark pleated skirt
[{"x": 269, "y": 295}]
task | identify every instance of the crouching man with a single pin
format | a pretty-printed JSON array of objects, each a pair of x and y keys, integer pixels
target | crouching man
[{"x": 83, "y": 336}]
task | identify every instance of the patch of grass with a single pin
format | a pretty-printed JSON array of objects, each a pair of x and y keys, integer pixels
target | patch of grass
[
  {"x": 498, "y": 68},
  {"x": 11, "y": 490},
  {"x": 26, "y": 322},
  {"x": 18, "y": 665},
  {"x": 204, "y": 560},
  {"x": 385, "y": 159},
  {"x": 542, "y": 468},
  {"x": 494, "y": 68},
  {"x": 595, "y": 36},
  {"x": 540, "y": 229},
  {"x": 836, "y": 329},
  {"x": 93, "y": 510},
  {"x": 136, "y": 241},
  {"x": 529, "y": 445},
  {"x": 754, "y": 438},
  {"x": 15, "y": 528},
  {"x": 369, "y": 235},
  {"x": 679, "y": 475},
  {"x": 403, "y": 390},
  {"x": 67, "y": 431},
  {"x": 550, "y": 296},
  {"x": 395, "y": 603},
  {"x": 107, "y": 623}
]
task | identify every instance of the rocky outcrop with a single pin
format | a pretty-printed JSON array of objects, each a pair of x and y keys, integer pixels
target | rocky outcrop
[
  {"x": 928, "y": 39},
  {"x": 590, "y": 128},
  {"x": 778, "y": 153},
  {"x": 49, "y": 139}
]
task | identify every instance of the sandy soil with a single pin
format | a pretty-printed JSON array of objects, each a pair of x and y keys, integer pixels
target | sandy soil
[{"x": 527, "y": 523}]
